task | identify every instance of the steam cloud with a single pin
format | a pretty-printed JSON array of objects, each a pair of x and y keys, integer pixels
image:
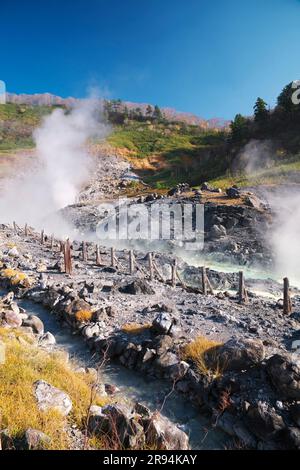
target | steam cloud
[{"x": 61, "y": 167}]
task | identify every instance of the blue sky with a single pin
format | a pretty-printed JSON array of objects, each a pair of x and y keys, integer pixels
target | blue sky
[{"x": 211, "y": 58}]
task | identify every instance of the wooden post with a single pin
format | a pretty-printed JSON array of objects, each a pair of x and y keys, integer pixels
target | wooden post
[
  {"x": 243, "y": 297},
  {"x": 15, "y": 227},
  {"x": 204, "y": 280},
  {"x": 67, "y": 257},
  {"x": 151, "y": 266},
  {"x": 84, "y": 252},
  {"x": 98, "y": 256},
  {"x": 287, "y": 304},
  {"x": 131, "y": 261},
  {"x": 52, "y": 241},
  {"x": 174, "y": 273},
  {"x": 112, "y": 257},
  {"x": 42, "y": 237},
  {"x": 26, "y": 230}
]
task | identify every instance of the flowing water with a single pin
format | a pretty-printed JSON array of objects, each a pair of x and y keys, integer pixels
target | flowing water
[{"x": 134, "y": 386}]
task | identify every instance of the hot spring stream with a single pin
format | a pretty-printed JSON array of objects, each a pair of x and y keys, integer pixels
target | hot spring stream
[{"x": 135, "y": 387}]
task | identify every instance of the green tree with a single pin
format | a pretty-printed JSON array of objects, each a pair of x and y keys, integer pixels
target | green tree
[
  {"x": 157, "y": 114},
  {"x": 261, "y": 112},
  {"x": 239, "y": 128}
]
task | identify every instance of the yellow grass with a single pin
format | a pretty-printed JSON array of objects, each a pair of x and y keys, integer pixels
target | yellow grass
[
  {"x": 24, "y": 365},
  {"x": 15, "y": 277},
  {"x": 198, "y": 351},
  {"x": 135, "y": 328},
  {"x": 83, "y": 316}
]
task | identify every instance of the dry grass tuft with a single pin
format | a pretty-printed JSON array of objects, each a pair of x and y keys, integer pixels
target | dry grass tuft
[
  {"x": 203, "y": 353},
  {"x": 18, "y": 408},
  {"x": 16, "y": 278},
  {"x": 135, "y": 328},
  {"x": 83, "y": 316}
]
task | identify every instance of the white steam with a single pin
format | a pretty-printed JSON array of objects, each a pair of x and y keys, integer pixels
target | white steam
[{"x": 57, "y": 174}]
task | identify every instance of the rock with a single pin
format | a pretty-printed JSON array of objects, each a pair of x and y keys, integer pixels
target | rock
[
  {"x": 35, "y": 323},
  {"x": 91, "y": 330},
  {"x": 138, "y": 286},
  {"x": 178, "y": 371},
  {"x": 36, "y": 440},
  {"x": 240, "y": 354},
  {"x": 263, "y": 421},
  {"x": 162, "y": 434},
  {"x": 12, "y": 319},
  {"x": 164, "y": 323},
  {"x": 233, "y": 192},
  {"x": 295, "y": 413},
  {"x": 217, "y": 231},
  {"x": 291, "y": 438},
  {"x": 76, "y": 306},
  {"x": 285, "y": 376},
  {"x": 119, "y": 424},
  {"x": 13, "y": 252},
  {"x": 49, "y": 397},
  {"x": 244, "y": 435},
  {"x": 142, "y": 410},
  {"x": 253, "y": 201},
  {"x": 111, "y": 389},
  {"x": 48, "y": 339}
]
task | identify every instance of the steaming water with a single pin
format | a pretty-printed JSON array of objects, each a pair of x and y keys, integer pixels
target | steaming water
[{"x": 136, "y": 387}]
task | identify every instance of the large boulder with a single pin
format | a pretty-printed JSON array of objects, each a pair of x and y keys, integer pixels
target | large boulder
[
  {"x": 35, "y": 440},
  {"x": 12, "y": 319},
  {"x": 51, "y": 398},
  {"x": 35, "y": 323},
  {"x": 284, "y": 374},
  {"x": 162, "y": 434},
  {"x": 139, "y": 286},
  {"x": 164, "y": 323},
  {"x": 118, "y": 424},
  {"x": 263, "y": 421},
  {"x": 240, "y": 354}
]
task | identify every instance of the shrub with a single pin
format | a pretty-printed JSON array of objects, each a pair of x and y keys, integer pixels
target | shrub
[
  {"x": 83, "y": 316},
  {"x": 203, "y": 352},
  {"x": 135, "y": 328},
  {"x": 15, "y": 277}
]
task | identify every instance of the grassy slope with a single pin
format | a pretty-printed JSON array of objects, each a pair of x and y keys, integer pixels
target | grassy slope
[
  {"x": 166, "y": 154},
  {"x": 25, "y": 363},
  {"x": 17, "y": 123}
]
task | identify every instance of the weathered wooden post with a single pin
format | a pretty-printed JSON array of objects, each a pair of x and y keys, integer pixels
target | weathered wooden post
[
  {"x": 15, "y": 227},
  {"x": 84, "y": 252},
  {"x": 204, "y": 280},
  {"x": 98, "y": 256},
  {"x": 112, "y": 257},
  {"x": 287, "y": 303},
  {"x": 26, "y": 230},
  {"x": 174, "y": 273},
  {"x": 67, "y": 257},
  {"x": 243, "y": 296},
  {"x": 131, "y": 261},
  {"x": 150, "y": 260},
  {"x": 52, "y": 241},
  {"x": 42, "y": 237}
]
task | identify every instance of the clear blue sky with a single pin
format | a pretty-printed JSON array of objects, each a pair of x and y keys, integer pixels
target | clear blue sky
[{"x": 212, "y": 58}]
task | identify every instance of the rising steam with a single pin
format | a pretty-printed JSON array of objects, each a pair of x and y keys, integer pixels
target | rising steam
[{"x": 61, "y": 167}]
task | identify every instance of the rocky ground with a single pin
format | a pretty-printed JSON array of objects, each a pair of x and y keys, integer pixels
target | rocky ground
[{"x": 98, "y": 301}]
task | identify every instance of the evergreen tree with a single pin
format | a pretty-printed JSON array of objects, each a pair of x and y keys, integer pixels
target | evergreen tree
[{"x": 261, "y": 112}]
